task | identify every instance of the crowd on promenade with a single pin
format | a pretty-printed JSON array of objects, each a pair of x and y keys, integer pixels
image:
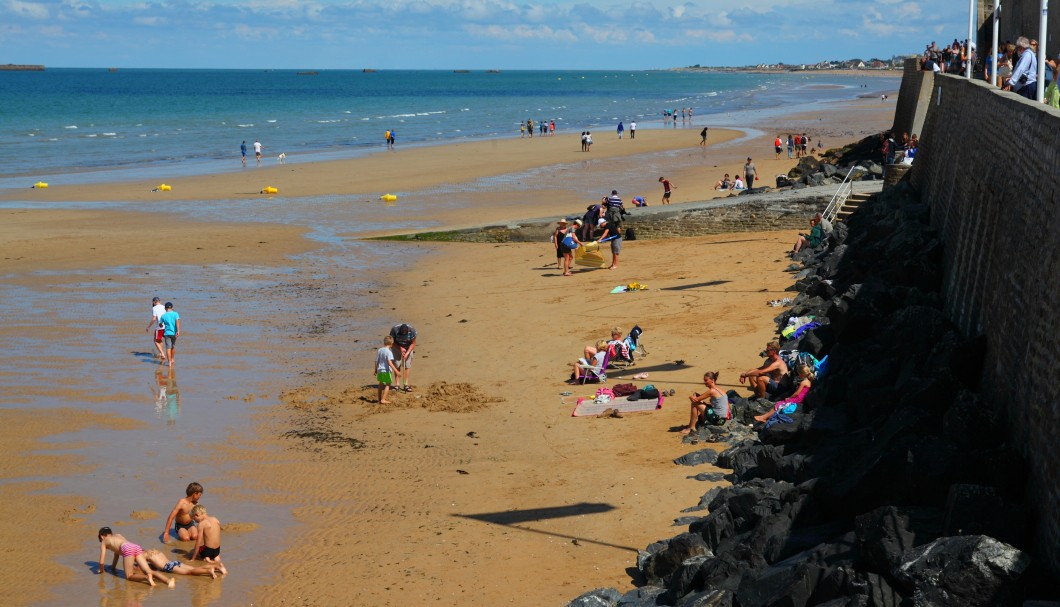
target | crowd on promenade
[{"x": 1014, "y": 68}]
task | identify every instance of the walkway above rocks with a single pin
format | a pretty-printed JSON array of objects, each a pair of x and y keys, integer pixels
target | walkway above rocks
[{"x": 787, "y": 209}]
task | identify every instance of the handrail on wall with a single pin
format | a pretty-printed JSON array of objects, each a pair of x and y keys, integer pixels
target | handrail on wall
[{"x": 845, "y": 190}]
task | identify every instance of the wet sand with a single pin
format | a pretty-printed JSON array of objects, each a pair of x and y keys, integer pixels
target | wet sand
[{"x": 478, "y": 488}]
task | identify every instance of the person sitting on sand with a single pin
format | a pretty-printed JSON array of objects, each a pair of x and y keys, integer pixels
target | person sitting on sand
[
  {"x": 157, "y": 561},
  {"x": 738, "y": 184},
  {"x": 788, "y": 405},
  {"x": 592, "y": 359},
  {"x": 768, "y": 378},
  {"x": 716, "y": 413},
  {"x": 131, "y": 554},
  {"x": 724, "y": 183}
]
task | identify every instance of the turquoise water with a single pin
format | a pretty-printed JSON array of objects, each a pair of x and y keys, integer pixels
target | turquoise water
[{"x": 68, "y": 120}]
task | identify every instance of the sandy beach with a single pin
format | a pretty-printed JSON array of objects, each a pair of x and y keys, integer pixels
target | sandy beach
[{"x": 478, "y": 488}]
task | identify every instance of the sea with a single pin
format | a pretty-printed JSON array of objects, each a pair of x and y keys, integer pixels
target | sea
[{"x": 66, "y": 121}]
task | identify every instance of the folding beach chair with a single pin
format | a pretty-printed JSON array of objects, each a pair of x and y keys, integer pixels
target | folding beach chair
[{"x": 596, "y": 374}]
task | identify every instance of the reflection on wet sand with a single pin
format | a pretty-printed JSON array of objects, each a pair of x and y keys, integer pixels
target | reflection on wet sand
[{"x": 167, "y": 395}]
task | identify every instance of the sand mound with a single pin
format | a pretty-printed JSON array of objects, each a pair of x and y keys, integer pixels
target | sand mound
[
  {"x": 143, "y": 515},
  {"x": 239, "y": 527},
  {"x": 459, "y": 397}
]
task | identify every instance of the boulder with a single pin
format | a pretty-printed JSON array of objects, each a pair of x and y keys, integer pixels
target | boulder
[
  {"x": 696, "y": 458},
  {"x": 601, "y": 597},
  {"x": 708, "y": 598},
  {"x": 969, "y": 570},
  {"x": 646, "y": 596},
  {"x": 658, "y": 565}
]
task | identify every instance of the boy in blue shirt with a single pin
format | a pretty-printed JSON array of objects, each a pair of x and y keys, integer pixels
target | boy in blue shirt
[{"x": 170, "y": 330}]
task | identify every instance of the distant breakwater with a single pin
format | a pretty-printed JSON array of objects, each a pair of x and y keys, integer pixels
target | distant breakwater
[{"x": 14, "y": 67}]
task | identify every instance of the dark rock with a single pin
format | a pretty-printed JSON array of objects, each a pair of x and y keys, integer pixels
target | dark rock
[
  {"x": 685, "y": 521},
  {"x": 829, "y": 169},
  {"x": 970, "y": 570},
  {"x": 979, "y": 510},
  {"x": 709, "y": 598},
  {"x": 709, "y": 476},
  {"x": 971, "y": 423},
  {"x": 696, "y": 458},
  {"x": 658, "y": 565},
  {"x": 601, "y": 597},
  {"x": 647, "y": 596},
  {"x": 704, "y": 500},
  {"x": 888, "y": 532},
  {"x": 727, "y": 570}
]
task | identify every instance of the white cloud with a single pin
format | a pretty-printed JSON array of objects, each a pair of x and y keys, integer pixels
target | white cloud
[
  {"x": 31, "y": 10},
  {"x": 520, "y": 32},
  {"x": 149, "y": 21}
]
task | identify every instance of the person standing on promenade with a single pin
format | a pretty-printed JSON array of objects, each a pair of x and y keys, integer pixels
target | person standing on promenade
[
  {"x": 621, "y": 129},
  {"x": 170, "y": 330},
  {"x": 632, "y": 129},
  {"x": 257, "y": 151},
  {"x": 405, "y": 343},
  {"x": 243, "y": 151},
  {"x": 157, "y": 310},
  {"x": 667, "y": 188},
  {"x": 750, "y": 173},
  {"x": 1024, "y": 79},
  {"x": 703, "y": 136}
]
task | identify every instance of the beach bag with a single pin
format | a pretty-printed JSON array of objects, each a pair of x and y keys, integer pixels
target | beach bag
[
  {"x": 568, "y": 241},
  {"x": 604, "y": 395},
  {"x": 613, "y": 215},
  {"x": 624, "y": 389},
  {"x": 630, "y": 234},
  {"x": 649, "y": 391}
]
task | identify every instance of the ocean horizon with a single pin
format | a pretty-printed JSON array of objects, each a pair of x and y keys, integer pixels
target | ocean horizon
[{"x": 72, "y": 121}]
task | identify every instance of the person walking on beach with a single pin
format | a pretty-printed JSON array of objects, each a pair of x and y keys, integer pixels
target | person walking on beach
[
  {"x": 613, "y": 233},
  {"x": 588, "y": 141},
  {"x": 157, "y": 310},
  {"x": 551, "y": 128},
  {"x": 243, "y": 151},
  {"x": 391, "y": 138},
  {"x": 791, "y": 147},
  {"x": 585, "y": 146},
  {"x": 632, "y": 129},
  {"x": 703, "y": 136},
  {"x": 750, "y": 173},
  {"x": 667, "y": 188},
  {"x": 530, "y": 127},
  {"x": 405, "y": 343},
  {"x": 778, "y": 146},
  {"x": 805, "y": 143},
  {"x": 170, "y": 330},
  {"x": 257, "y": 151},
  {"x": 620, "y": 129}
]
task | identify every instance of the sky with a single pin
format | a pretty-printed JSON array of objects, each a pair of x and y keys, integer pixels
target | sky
[{"x": 467, "y": 34}]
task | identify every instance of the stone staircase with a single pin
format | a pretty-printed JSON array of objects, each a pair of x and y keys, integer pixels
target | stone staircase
[{"x": 850, "y": 205}]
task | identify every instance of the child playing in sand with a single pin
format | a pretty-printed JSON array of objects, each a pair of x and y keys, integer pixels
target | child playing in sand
[
  {"x": 132, "y": 556},
  {"x": 157, "y": 560},
  {"x": 179, "y": 519},
  {"x": 208, "y": 545},
  {"x": 385, "y": 369}
]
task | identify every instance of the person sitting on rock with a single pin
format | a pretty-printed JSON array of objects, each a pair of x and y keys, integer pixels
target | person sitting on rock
[
  {"x": 724, "y": 183},
  {"x": 814, "y": 238},
  {"x": 790, "y": 404},
  {"x": 768, "y": 378},
  {"x": 716, "y": 413}
]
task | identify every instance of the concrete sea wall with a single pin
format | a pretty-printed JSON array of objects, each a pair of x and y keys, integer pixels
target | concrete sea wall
[{"x": 989, "y": 166}]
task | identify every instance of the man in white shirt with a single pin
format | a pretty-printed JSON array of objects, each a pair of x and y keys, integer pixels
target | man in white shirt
[{"x": 157, "y": 310}]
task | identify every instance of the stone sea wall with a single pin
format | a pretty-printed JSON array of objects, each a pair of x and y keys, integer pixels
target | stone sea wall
[
  {"x": 988, "y": 166},
  {"x": 912, "y": 105}
]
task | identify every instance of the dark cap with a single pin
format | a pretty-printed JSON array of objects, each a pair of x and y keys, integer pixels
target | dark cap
[{"x": 169, "y": 305}]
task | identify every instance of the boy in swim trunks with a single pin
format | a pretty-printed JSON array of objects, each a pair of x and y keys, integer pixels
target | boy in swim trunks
[
  {"x": 157, "y": 560},
  {"x": 180, "y": 518},
  {"x": 208, "y": 544},
  {"x": 132, "y": 556}
]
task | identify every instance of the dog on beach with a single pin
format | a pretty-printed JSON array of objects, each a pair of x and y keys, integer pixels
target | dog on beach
[{"x": 282, "y": 158}]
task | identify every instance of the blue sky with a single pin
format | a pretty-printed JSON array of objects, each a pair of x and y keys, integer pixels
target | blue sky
[{"x": 466, "y": 34}]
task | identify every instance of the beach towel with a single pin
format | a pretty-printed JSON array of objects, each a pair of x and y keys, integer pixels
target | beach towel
[{"x": 587, "y": 408}]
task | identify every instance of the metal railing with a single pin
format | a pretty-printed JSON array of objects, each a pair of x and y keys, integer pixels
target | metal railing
[{"x": 845, "y": 190}]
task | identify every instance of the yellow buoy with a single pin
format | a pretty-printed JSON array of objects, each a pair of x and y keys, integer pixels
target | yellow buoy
[
  {"x": 163, "y": 188},
  {"x": 269, "y": 190},
  {"x": 388, "y": 197},
  {"x": 40, "y": 185}
]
